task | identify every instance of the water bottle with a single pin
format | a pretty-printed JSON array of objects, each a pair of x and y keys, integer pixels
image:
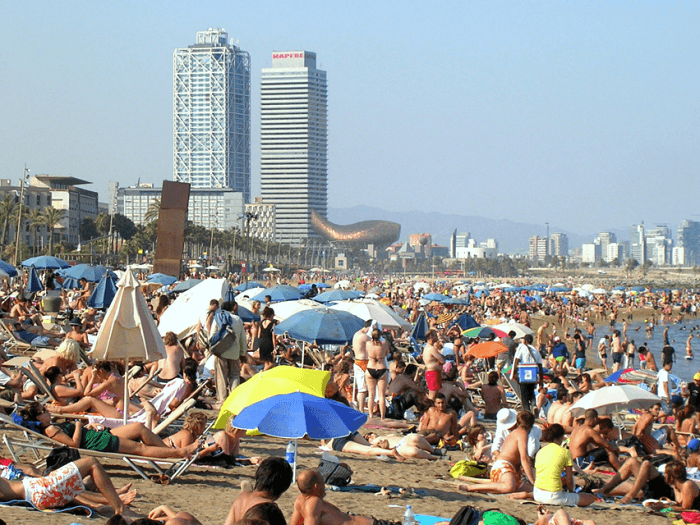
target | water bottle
[
  {"x": 408, "y": 517},
  {"x": 289, "y": 456}
]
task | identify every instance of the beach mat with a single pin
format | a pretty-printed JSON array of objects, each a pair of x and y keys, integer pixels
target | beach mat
[
  {"x": 78, "y": 510},
  {"x": 424, "y": 519},
  {"x": 372, "y": 488}
]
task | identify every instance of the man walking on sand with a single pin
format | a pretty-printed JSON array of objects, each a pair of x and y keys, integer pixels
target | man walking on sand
[
  {"x": 433, "y": 361},
  {"x": 527, "y": 355},
  {"x": 359, "y": 348}
]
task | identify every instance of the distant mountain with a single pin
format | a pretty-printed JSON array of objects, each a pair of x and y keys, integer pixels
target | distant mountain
[{"x": 513, "y": 237}]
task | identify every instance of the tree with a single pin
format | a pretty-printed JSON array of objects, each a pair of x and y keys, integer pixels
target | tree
[
  {"x": 35, "y": 218},
  {"x": 51, "y": 218},
  {"x": 124, "y": 226},
  {"x": 153, "y": 210},
  {"x": 631, "y": 264},
  {"x": 8, "y": 214},
  {"x": 88, "y": 229}
]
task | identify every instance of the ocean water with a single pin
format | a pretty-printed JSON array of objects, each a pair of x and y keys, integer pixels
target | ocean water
[{"x": 677, "y": 337}]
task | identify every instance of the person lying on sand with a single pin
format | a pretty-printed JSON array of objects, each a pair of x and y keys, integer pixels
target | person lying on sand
[
  {"x": 311, "y": 509},
  {"x": 649, "y": 483},
  {"x": 560, "y": 517},
  {"x": 408, "y": 446},
  {"x": 355, "y": 443},
  {"x": 272, "y": 478}
]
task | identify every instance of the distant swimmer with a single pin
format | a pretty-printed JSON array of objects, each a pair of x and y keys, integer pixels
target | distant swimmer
[{"x": 689, "y": 347}]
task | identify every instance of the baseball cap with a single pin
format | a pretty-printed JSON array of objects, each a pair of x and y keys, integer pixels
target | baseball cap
[
  {"x": 694, "y": 444},
  {"x": 697, "y": 376}
]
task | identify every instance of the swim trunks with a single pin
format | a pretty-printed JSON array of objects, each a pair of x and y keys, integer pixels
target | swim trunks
[
  {"x": 617, "y": 357},
  {"x": 360, "y": 383},
  {"x": 500, "y": 467},
  {"x": 55, "y": 490},
  {"x": 596, "y": 455},
  {"x": 362, "y": 363},
  {"x": 580, "y": 363},
  {"x": 339, "y": 443},
  {"x": 433, "y": 378}
]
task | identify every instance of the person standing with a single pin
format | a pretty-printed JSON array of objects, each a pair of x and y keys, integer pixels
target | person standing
[
  {"x": 663, "y": 388},
  {"x": 227, "y": 365},
  {"x": 359, "y": 348},
  {"x": 433, "y": 361},
  {"x": 526, "y": 354},
  {"x": 617, "y": 352}
]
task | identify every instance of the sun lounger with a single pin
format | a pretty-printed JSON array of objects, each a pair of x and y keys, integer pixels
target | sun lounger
[
  {"x": 35, "y": 442},
  {"x": 515, "y": 388}
]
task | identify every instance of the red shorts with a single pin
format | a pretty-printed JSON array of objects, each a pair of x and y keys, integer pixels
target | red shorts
[{"x": 433, "y": 378}]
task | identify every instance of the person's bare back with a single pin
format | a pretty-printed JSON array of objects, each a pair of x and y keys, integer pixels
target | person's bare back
[
  {"x": 359, "y": 344},
  {"x": 494, "y": 398},
  {"x": 309, "y": 509},
  {"x": 245, "y": 500}
]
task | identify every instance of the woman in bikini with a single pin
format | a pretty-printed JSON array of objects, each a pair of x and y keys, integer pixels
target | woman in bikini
[{"x": 377, "y": 373}]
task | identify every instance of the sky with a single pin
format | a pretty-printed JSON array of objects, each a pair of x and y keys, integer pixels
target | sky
[{"x": 581, "y": 114}]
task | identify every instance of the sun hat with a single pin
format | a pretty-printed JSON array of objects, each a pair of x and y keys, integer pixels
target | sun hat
[
  {"x": 506, "y": 417},
  {"x": 694, "y": 444},
  {"x": 75, "y": 322}
]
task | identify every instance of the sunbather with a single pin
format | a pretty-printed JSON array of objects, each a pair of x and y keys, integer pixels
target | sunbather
[
  {"x": 586, "y": 436},
  {"x": 649, "y": 483},
  {"x": 355, "y": 443},
  {"x": 409, "y": 446},
  {"x": 560, "y": 517},
  {"x": 132, "y": 438},
  {"x": 311, "y": 509},
  {"x": 61, "y": 390}
]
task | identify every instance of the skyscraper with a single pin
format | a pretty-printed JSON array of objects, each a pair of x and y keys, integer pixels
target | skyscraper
[
  {"x": 211, "y": 114},
  {"x": 294, "y": 142}
]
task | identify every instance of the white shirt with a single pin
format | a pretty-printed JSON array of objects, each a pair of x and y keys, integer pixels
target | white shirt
[
  {"x": 603, "y": 344},
  {"x": 526, "y": 355},
  {"x": 663, "y": 378}
]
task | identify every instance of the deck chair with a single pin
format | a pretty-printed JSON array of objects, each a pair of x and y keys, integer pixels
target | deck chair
[
  {"x": 35, "y": 443},
  {"x": 515, "y": 387},
  {"x": 12, "y": 343}
]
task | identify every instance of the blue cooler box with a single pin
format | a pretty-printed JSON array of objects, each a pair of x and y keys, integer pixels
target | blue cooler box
[{"x": 527, "y": 373}]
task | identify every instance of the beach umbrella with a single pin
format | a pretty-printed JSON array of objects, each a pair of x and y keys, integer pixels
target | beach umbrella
[
  {"x": 440, "y": 298},
  {"x": 69, "y": 283},
  {"x": 282, "y": 292},
  {"x": 322, "y": 326},
  {"x": 487, "y": 349},
  {"x": 45, "y": 262},
  {"x": 196, "y": 266},
  {"x": 272, "y": 382},
  {"x": 463, "y": 301},
  {"x": 617, "y": 376},
  {"x": 344, "y": 283},
  {"x": 520, "y": 329},
  {"x": 421, "y": 328},
  {"x": 337, "y": 294},
  {"x": 611, "y": 399},
  {"x": 182, "y": 315},
  {"x": 9, "y": 270},
  {"x": 322, "y": 285},
  {"x": 465, "y": 321},
  {"x": 287, "y": 309},
  {"x": 246, "y": 315},
  {"x": 271, "y": 269},
  {"x": 421, "y": 286},
  {"x": 638, "y": 289},
  {"x": 212, "y": 267},
  {"x": 33, "y": 281},
  {"x": 484, "y": 332},
  {"x": 161, "y": 278},
  {"x": 141, "y": 267},
  {"x": 128, "y": 331},
  {"x": 185, "y": 285},
  {"x": 104, "y": 293},
  {"x": 367, "y": 309},
  {"x": 298, "y": 415},
  {"x": 248, "y": 285},
  {"x": 90, "y": 273}
]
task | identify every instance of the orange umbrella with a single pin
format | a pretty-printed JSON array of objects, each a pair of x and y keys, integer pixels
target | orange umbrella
[{"x": 487, "y": 349}]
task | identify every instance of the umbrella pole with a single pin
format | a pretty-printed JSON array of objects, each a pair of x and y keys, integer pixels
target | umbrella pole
[
  {"x": 126, "y": 389},
  {"x": 303, "y": 348},
  {"x": 296, "y": 460}
]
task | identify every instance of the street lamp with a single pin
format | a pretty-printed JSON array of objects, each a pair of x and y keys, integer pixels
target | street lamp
[
  {"x": 22, "y": 183},
  {"x": 248, "y": 216}
]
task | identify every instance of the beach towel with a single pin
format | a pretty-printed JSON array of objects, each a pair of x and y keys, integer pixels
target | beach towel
[{"x": 78, "y": 510}]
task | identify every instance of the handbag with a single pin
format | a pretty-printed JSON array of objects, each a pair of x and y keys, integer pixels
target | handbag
[
  {"x": 468, "y": 468},
  {"x": 334, "y": 472},
  {"x": 224, "y": 343}
]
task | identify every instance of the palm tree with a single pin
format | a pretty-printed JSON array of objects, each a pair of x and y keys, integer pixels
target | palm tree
[
  {"x": 153, "y": 210},
  {"x": 8, "y": 214},
  {"x": 51, "y": 218},
  {"x": 36, "y": 219}
]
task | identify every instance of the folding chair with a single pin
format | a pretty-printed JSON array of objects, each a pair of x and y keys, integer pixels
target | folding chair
[{"x": 515, "y": 387}]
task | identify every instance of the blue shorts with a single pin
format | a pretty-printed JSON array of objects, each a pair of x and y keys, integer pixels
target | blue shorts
[
  {"x": 617, "y": 357},
  {"x": 580, "y": 363}
]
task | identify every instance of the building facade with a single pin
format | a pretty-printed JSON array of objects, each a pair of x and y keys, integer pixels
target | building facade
[
  {"x": 638, "y": 244},
  {"x": 208, "y": 207},
  {"x": 294, "y": 142},
  {"x": 263, "y": 225},
  {"x": 689, "y": 240},
  {"x": 211, "y": 114},
  {"x": 559, "y": 244},
  {"x": 36, "y": 199},
  {"x": 659, "y": 245},
  {"x": 605, "y": 239},
  {"x": 538, "y": 248}
]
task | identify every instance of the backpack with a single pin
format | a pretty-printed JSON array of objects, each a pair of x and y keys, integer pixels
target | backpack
[
  {"x": 59, "y": 457},
  {"x": 225, "y": 337},
  {"x": 467, "y": 515},
  {"x": 468, "y": 468},
  {"x": 334, "y": 472}
]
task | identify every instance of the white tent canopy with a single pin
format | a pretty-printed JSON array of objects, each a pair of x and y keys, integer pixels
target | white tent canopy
[{"x": 182, "y": 316}]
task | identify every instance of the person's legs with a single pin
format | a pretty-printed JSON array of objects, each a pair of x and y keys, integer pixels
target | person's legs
[
  {"x": 645, "y": 472},
  {"x": 355, "y": 448},
  {"x": 381, "y": 386},
  {"x": 527, "y": 391},
  {"x": 138, "y": 432},
  {"x": 128, "y": 446},
  {"x": 92, "y": 467},
  {"x": 360, "y": 387},
  {"x": 85, "y": 405},
  {"x": 221, "y": 373},
  {"x": 418, "y": 441},
  {"x": 506, "y": 485},
  {"x": 234, "y": 375},
  {"x": 372, "y": 392},
  {"x": 629, "y": 468}
]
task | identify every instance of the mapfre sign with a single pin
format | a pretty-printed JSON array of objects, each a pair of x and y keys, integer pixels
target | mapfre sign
[{"x": 287, "y": 55}]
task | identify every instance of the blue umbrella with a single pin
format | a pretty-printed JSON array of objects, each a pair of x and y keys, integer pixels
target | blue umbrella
[
  {"x": 183, "y": 286},
  {"x": 279, "y": 293},
  {"x": 441, "y": 298},
  {"x": 457, "y": 300},
  {"x": 69, "y": 283},
  {"x": 619, "y": 288},
  {"x": 8, "y": 269},
  {"x": 89, "y": 272},
  {"x": 421, "y": 328},
  {"x": 104, "y": 293},
  {"x": 44, "y": 262},
  {"x": 248, "y": 285},
  {"x": 246, "y": 315},
  {"x": 322, "y": 326},
  {"x": 293, "y": 416},
  {"x": 33, "y": 282},
  {"x": 466, "y": 321},
  {"x": 638, "y": 289},
  {"x": 337, "y": 295},
  {"x": 161, "y": 278},
  {"x": 559, "y": 289}
]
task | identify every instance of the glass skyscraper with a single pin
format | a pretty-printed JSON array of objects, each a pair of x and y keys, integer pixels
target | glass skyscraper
[
  {"x": 211, "y": 114},
  {"x": 294, "y": 142}
]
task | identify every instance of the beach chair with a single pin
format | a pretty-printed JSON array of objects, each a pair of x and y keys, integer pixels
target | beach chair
[
  {"x": 35, "y": 442},
  {"x": 515, "y": 388},
  {"x": 12, "y": 343}
]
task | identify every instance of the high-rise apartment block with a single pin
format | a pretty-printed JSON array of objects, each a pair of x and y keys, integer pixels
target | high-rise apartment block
[
  {"x": 294, "y": 142},
  {"x": 638, "y": 244},
  {"x": 538, "y": 248},
  {"x": 659, "y": 245},
  {"x": 689, "y": 240},
  {"x": 211, "y": 114},
  {"x": 559, "y": 244}
]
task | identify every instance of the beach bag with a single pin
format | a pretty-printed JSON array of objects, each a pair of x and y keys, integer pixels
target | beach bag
[
  {"x": 334, "y": 472},
  {"x": 529, "y": 373},
  {"x": 495, "y": 517},
  {"x": 225, "y": 337},
  {"x": 691, "y": 516},
  {"x": 467, "y": 515},
  {"x": 58, "y": 457},
  {"x": 469, "y": 468}
]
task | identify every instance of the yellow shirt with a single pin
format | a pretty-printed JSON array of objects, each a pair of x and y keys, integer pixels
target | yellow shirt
[{"x": 550, "y": 462}]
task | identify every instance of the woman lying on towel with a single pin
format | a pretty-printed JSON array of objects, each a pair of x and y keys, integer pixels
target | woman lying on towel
[{"x": 132, "y": 438}]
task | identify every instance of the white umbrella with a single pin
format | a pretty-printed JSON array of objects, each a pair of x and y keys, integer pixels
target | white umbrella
[
  {"x": 588, "y": 287},
  {"x": 520, "y": 329},
  {"x": 271, "y": 269},
  {"x": 421, "y": 286},
  {"x": 212, "y": 267},
  {"x": 128, "y": 331},
  {"x": 344, "y": 284},
  {"x": 599, "y": 291},
  {"x": 182, "y": 316},
  {"x": 250, "y": 292},
  {"x": 367, "y": 309},
  {"x": 610, "y": 399},
  {"x": 140, "y": 266},
  {"x": 197, "y": 266},
  {"x": 287, "y": 309}
]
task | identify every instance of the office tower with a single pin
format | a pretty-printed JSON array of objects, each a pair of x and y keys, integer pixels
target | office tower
[
  {"x": 605, "y": 239},
  {"x": 659, "y": 245},
  {"x": 294, "y": 129},
  {"x": 538, "y": 248},
  {"x": 638, "y": 246},
  {"x": 689, "y": 240},
  {"x": 559, "y": 244},
  {"x": 211, "y": 114}
]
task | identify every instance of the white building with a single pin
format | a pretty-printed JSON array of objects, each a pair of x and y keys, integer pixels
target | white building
[
  {"x": 559, "y": 244},
  {"x": 263, "y": 225},
  {"x": 590, "y": 253},
  {"x": 484, "y": 250},
  {"x": 35, "y": 199},
  {"x": 615, "y": 250},
  {"x": 679, "y": 256},
  {"x": 294, "y": 139},
  {"x": 211, "y": 114}
]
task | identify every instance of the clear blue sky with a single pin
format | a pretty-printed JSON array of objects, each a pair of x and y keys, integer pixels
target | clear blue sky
[{"x": 583, "y": 114}]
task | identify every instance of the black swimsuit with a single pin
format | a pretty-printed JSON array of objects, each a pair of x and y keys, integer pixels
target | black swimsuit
[{"x": 376, "y": 373}]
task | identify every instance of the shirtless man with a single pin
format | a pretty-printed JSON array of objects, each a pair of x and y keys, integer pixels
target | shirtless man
[
  {"x": 542, "y": 338},
  {"x": 77, "y": 334},
  {"x": 21, "y": 312},
  {"x": 494, "y": 396},
  {"x": 433, "y": 361},
  {"x": 653, "y": 440},
  {"x": 272, "y": 478},
  {"x": 439, "y": 422},
  {"x": 617, "y": 352},
  {"x": 359, "y": 348},
  {"x": 311, "y": 509},
  {"x": 405, "y": 381},
  {"x": 649, "y": 359},
  {"x": 603, "y": 351},
  {"x": 558, "y": 406},
  {"x": 583, "y": 437},
  {"x": 171, "y": 366},
  {"x": 505, "y": 472}
]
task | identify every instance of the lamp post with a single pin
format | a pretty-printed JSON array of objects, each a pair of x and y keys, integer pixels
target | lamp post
[
  {"x": 248, "y": 216},
  {"x": 22, "y": 183}
]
